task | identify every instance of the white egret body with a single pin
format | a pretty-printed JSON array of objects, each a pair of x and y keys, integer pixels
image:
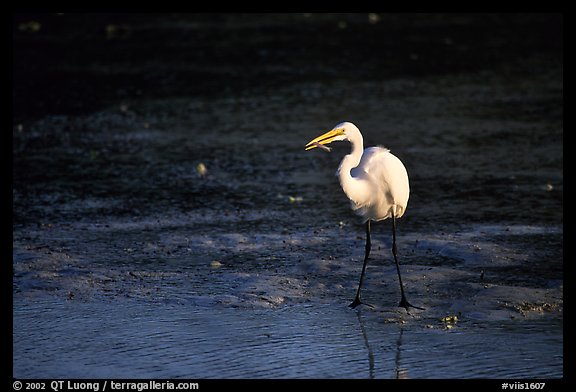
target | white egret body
[{"x": 376, "y": 182}]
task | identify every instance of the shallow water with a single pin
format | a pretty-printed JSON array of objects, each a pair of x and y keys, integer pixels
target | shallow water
[
  {"x": 301, "y": 341},
  {"x": 130, "y": 261}
]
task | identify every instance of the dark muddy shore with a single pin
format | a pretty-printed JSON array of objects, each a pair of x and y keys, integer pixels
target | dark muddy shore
[{"x": 167, "y": 221}]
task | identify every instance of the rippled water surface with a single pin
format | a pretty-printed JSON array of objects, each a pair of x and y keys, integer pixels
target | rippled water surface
[
  {"x": 167, "y": 221},
  {"x": 302, "y": 341}
]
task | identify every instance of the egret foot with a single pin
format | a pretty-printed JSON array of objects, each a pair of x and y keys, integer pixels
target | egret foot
[
  {"x": 406, "y": 305},
  {"x": 357, "y": 302}
]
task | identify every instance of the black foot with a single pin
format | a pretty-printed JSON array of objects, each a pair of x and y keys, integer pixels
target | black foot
[
  {"x": 406, "y": 305},
  {"x": 355, "y": 303}
]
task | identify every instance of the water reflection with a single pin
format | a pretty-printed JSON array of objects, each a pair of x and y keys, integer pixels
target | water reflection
[
  {"x": 400, "y": 372},
  {"x": 367, "y": 344}
]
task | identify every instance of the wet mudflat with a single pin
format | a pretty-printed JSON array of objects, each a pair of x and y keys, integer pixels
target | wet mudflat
[{"x": 172, "y": 225}]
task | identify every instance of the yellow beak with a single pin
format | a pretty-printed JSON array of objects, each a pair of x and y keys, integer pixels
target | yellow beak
[{"x": 326, "y": 138}]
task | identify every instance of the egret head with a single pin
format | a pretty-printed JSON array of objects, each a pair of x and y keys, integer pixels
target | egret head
[{"x": 340, "y": 132}]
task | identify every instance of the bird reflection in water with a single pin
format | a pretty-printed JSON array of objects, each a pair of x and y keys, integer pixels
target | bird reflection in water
[{"x": 399, "y": 371}]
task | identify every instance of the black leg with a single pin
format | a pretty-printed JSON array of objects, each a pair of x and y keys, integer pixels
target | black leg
[
  {"x": 403, "y": 302},
  {"x": 357, "y": 301}
]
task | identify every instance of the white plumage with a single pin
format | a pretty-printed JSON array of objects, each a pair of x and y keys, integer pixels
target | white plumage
[
  {"x": 389, "y": 182},
  {"x": 375, "y": 181}
]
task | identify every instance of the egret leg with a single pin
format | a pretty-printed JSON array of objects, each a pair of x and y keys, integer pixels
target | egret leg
[
  {"x": 357, "y": 301},
  {"x": 403, "y": 302}
]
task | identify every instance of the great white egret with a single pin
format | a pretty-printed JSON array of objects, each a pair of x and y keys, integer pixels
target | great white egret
[{"x": 376, "y": 182}]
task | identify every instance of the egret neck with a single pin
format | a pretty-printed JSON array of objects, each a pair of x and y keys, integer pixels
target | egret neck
[{"x": 357, "y": 189}]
